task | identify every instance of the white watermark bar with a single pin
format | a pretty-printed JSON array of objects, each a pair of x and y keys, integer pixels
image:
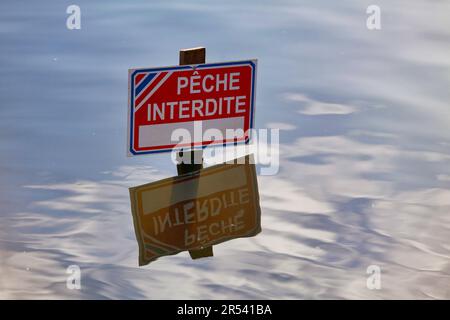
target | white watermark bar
[{"x": 264, "y": 145}]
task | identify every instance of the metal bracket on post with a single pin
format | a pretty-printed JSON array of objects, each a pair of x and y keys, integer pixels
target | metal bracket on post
[{"x": 193, "y": 56}]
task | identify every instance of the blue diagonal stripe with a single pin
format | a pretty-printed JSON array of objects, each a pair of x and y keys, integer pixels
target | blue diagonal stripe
[{"x": 144, "y": 82}]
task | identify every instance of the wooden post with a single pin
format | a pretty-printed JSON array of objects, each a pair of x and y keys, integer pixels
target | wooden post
[{"x": 194, "y": 56}]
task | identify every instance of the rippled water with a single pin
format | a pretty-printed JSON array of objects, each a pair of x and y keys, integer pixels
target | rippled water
[{"x": 364, "y": 149}]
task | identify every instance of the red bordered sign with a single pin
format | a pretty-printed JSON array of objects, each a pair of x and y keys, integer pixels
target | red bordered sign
[{"x": 218, "y": 98}]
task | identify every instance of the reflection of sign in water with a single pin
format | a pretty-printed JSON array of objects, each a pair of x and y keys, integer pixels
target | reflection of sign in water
[
  {"x": 161, "y": 100},
  {"x": 196, "y": 210}
]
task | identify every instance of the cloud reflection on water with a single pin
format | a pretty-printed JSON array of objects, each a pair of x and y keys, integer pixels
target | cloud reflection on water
[
  {"x": 364, "y": 173},
  {"x": 316, "y": 241}
]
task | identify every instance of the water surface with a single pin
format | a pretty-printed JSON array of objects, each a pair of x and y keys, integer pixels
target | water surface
[{"x": 364, "y": 148}]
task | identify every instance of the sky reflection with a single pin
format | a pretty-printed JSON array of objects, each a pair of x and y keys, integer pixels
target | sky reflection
[{"x": 364, "y": 148}]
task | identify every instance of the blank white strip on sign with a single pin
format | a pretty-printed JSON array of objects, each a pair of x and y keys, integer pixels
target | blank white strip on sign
[
  {"x": 163, "y": 197},
  {"x": 160, "y": 134}
]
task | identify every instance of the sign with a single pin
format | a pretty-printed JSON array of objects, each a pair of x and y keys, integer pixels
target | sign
[
  {"x": 196, "y": 210},
  {"x": 220, "y": 96}
]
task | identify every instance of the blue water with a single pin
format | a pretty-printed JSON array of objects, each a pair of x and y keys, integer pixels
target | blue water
[{"x": 364, "y": 148}]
